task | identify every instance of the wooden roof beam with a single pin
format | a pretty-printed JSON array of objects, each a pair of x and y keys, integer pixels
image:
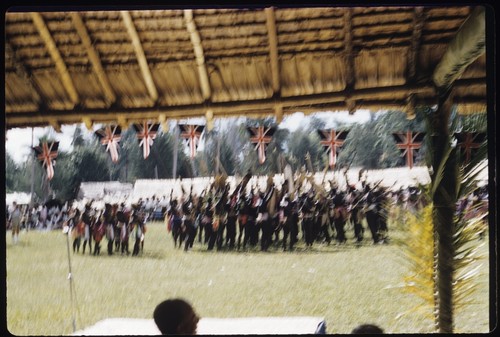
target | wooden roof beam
[
  {"x": 141, "y": 57},
  {"x": 418, "y": 24},
  {"x": 273, "y": 50},
  {"x": 56, "y": 57},
  {"x": 468, "y": 44},
  {"x": 22, "y": 71},
  {"x": 274, "y": 58},
  {"x": 94, "y": 58},
  {"x": 362, "y": 97},
  {"x": 199, "y": 54},
  {"x": 251, "y": 110},
  {"x": 351, "y": 106}
]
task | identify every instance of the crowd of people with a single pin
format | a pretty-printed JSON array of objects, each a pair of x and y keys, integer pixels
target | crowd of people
[
  {"x": 237, "y": 219},
  {"x": 222, "y": 219}
]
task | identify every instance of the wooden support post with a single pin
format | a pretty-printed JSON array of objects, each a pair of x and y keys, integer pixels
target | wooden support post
[
  {"x": 444, "y": 203},
  {"x": 464, "y": 48}
]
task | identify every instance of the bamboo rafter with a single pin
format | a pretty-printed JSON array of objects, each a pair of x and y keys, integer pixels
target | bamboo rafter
[
  {"x": 418, "y": 24},
  {"x": 23, "y": 72},
  {"x": 94, "y": 57},
  {"x": 141, "y": 57},
  {"x": 273, "y": 50},
  {"x": 365, "y": 98},
  {"x": 199, "y": 54},
  {"x": 61, "y": 68}
]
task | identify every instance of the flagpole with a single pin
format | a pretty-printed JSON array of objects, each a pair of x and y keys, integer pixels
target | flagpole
[
  {"x": 217, "y": 168},
  {"x": 70, "y": 278},
  {"x": 176, "y": 145},
  {"x": 32, "y": 189}
]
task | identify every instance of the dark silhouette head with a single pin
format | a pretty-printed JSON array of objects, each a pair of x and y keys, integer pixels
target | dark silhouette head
[
  {"x": 175, "y": 316},
  {"x": 367, "y": 329}
]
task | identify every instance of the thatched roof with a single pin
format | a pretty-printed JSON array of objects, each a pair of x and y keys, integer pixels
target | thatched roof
[{"x": 128, "y": 66}]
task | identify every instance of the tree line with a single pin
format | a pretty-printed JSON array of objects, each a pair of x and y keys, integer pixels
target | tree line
[{"x": 227, "y": 150}]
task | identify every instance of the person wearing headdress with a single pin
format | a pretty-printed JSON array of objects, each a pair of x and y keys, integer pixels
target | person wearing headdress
[
  {"x": 76, "y": 226},
  {"x": 87, "y": 218},
  {"x": 243, "y": 209},
  {"x": 383, "y": 214},
  {"x": 231, "y": 211},
  {"x": 294, "y": 220},
  {"x": 356, "y": 210},
  {"x": 339, "y": 216},
  {"x": 98, "y": 232},
  {"x": 265, "y": 218},
  {"x": 322, "y": 221},
  {"x": 175, "y": 214},
  {"x": 138, "y": 226},
  {"x": 109, "y": 223},
  {"x": 220, "y": 216},
  {"x": 372, "y": 214},
  {"x": 253, "y": 223},
  {"x": 307, "y": 211},
  {"x": 207, "y": 221},
  {"x": 189, "y": 222},
  {"x": 122, "y": 223},
  {"x": 116, "y": 228},
  {"x": 285, "y": 219}
]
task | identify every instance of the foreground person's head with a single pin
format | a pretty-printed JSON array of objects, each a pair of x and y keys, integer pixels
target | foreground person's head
[{"x": 175, "y": 317}]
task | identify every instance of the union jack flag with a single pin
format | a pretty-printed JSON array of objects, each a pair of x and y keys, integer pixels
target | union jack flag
[
  {"x": 332, "y": 140},
  {"x": 409, "y": 143},
  {"x": 469, "y": 142},
  {"x": 192, "y": 135},
  {"x": 261, "y": 137},
  {"x": 110, "y": 136},
  {"x": 46, "y": 153},
  {"x": 146, "y": 133}
]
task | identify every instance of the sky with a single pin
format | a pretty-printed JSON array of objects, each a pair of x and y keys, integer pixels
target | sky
[{"x": 19, "y": 140}]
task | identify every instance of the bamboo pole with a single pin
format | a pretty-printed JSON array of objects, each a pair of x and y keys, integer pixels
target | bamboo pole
[
  {"x": 93, "y": 57},
  {"x": 61, "y": 68},
  {"x": 141, "y": 57},
  {"x": 199, "y": 54}
]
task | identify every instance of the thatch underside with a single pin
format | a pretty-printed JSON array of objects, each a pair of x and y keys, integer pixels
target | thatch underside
[{"x": 102, "y": 67}]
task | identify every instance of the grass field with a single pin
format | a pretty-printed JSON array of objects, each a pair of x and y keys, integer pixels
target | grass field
[{"x": 346, "y": 285}]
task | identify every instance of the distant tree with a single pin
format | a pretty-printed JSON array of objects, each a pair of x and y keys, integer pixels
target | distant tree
[
  {"x": 11, "y": 174},
  {"x": 66, "y": 182},
  {"x": 371, "y": 144},
  {"x": 249, "y": 161},
  {"x": 78, "y": 137},
  {"x": 477, "y": 122},
  {"x": 91, "y": 163}
]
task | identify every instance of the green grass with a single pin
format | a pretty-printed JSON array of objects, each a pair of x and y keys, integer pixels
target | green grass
[{"x": 344, "y": 284}]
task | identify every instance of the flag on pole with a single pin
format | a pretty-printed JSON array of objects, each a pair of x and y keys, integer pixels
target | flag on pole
[
  {"x": 109, "y": 136},
  {"x": 146, "y": 133},
  {"x": 409, "y": 143},
  {"x": 261, "y": 137},
  {"x": 469, "y": 142},
  {"x": 191, "y": 134},
  {"x": 332, "y": 140},
  {"x": 46, "y": 153}
]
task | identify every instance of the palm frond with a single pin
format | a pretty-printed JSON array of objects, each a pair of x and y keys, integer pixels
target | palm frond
[
  {"x": 419, "y": 256},
  {"x": 440, "y": 170},
  {"x": 471, "y": 171}
]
